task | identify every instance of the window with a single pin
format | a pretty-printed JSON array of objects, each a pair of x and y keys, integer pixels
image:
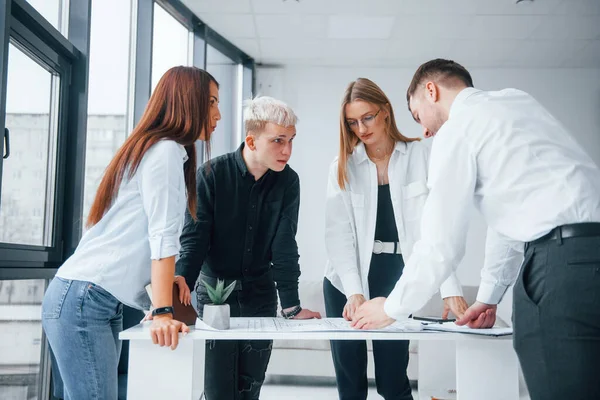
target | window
[
  {"x": 54, "y": 11},
  {"x": 31, "y": 119},
  {"x": 20, "y": 337},
  {"x": 226, "y": 137},
  {"x": 170, "y": 44},
  {"x": 108, "y": 90}
]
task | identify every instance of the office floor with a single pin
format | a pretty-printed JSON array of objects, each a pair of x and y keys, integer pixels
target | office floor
[
  {"x": 272, "y": 391},
  {"x": 289, "y": 392}
]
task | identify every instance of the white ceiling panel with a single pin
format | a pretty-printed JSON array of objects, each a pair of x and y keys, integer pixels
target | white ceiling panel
[
  {"x": 357, "y": 49},
  {"x": 231, "y": 25},
  {"x": 568, "y": 27},
  {"x": 218, "y": 6},
  {"x": 588, "y": 56},
  {"x": 543, "y": 53},
  {"x": 579, "y": 7},
  {"x": 271, "y": 26},
  {"x": 293, "y": 49},
  {"x": 483, "y": 53},
  {"x": 504, "y": 27},
  {"x": 408, "y": 27},
  {"x": 362, "y": 7},
  {"x": 415, "y": 51},
  {"x": 359, "y": 27},
  {"x": 248, "y": 46},
  {"x": 509, "y": 7},
  {"x": 486, "y": 33},
  {"x": 439, "y": 7}
]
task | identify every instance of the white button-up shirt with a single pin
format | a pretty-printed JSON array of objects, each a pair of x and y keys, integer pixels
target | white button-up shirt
[
  {"x": 351, "y": 215},
  {"x": 504, "y": 153},
  {"x": 143, "y": 224}
]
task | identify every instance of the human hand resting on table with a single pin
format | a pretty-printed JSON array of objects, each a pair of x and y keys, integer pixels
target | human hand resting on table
[
  {"x": 353, "y": 303},
  {"x": 479, "y": 316},
  {"x": 305, "y": 313},
  {"x": 371, "y": 315},
  {"x": 456, "y": 304}
]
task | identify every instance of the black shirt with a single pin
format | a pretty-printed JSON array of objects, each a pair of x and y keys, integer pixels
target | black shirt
[{"x": 246, "y": 229}]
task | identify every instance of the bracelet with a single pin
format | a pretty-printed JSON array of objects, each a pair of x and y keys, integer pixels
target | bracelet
[
  {"x": 289, "y": 315},
  {"x": 163, "y": 310}
]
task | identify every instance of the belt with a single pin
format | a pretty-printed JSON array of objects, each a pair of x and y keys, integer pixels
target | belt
[
  {"x": 570, "y": 231},
  {"x": 386, "y": 247}
]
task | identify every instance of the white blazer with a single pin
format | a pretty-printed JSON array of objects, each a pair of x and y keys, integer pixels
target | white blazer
[{"x": 351, "y": 215}]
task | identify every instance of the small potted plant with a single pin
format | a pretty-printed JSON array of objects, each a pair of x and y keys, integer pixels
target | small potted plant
[{"x": 217, "y": 314}]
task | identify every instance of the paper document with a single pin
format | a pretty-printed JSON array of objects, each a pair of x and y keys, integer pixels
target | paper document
[
  {"x": 452, "y": 327},
  {"x": 307, "y": 325}
]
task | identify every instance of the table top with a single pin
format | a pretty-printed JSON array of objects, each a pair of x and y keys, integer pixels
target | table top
[{"x": 142, "y": 332}]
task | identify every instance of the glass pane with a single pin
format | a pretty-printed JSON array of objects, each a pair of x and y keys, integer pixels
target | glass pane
[
  {"x": 20, "y": 338},
  {"x": 226, "y": 137},
  {"x": 170, "y": 43},
  {"x": 108, "y": 90},
  {"x": 28, "y": 174},
  {"x": 246, "y": 94},
  {"x": 55, "y": 12}
]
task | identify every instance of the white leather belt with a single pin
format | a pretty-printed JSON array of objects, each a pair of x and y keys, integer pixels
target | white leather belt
[{"x": 386, "y": 247}]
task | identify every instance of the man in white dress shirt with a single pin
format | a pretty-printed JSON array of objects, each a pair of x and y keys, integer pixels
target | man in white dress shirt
[{"x": 539, "y": 193}]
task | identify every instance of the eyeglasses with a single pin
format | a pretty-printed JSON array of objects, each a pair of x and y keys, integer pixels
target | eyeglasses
[{"x": 367, "y": 121}]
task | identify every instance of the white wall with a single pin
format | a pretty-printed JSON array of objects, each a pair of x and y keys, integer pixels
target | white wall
[{"x": 572, "y": 95}]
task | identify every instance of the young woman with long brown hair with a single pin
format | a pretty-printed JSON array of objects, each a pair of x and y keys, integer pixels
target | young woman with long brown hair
[
  {"x": 133, "y": 238},
  {"x": 375, "y": 196}
]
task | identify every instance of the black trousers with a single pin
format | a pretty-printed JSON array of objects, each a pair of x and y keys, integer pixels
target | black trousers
[
  {"x": 235, "y": 369},
  {"x": 350, "y": 356},
  {"x": 556, "y": 319}
]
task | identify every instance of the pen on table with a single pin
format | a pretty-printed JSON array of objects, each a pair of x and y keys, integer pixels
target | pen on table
[{"x": 434, "y": 320}]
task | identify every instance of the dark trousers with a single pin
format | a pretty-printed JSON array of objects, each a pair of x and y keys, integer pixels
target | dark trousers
[
  {"x": 235, "y": 369},
  {"x": 556, "y": 319},
  {"x": 350, "y": 356}
]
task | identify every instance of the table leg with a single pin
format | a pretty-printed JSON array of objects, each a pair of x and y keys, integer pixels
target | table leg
[
  {"x": 437, "y": 369},
  {"x": 159, "y": 373},
  {"x": 486, "y": 369}
]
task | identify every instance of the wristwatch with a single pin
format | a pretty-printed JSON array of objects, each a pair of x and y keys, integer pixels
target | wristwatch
[
  {"x": 291, "y": 314},
  {"x": 163, "y": 310}
]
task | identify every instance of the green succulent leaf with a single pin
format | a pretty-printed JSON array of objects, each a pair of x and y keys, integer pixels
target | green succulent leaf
[
  {"x": 219, "y": 293},
  {"x": 228, "y": 290},
  {"x": 212, "y": 293}
]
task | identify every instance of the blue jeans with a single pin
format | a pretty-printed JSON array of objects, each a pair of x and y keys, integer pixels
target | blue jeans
[{"x": 82, "y": 322}]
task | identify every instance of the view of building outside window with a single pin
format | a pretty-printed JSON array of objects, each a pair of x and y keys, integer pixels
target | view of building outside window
[{"x": 28, "y": 181}]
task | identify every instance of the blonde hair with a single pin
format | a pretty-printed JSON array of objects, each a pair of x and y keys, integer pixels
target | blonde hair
[
  {"x": 365, "y": 90},
  {"x": 264, "y": 109}
]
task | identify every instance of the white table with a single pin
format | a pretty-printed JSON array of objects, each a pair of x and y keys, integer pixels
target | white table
[{"x": 486, "y": 367}]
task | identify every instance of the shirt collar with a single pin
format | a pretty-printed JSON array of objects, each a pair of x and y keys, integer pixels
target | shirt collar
[
  {"x": 360, "y": 151},
  {"x": 459, "y": 102},
  {"x": 183, "y": 152},
  {"x": 239, "y": 160}
]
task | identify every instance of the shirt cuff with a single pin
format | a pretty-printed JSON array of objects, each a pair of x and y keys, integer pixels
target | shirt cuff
[
  {"x": 351, "y": 284},
  {"x": 393, "y": 311},
  {"x": 289, "y": 298},
  {"x": 163, "y": 247},
  {"x": 490, "y": 293},
  {"x": 451, "y": 287}
]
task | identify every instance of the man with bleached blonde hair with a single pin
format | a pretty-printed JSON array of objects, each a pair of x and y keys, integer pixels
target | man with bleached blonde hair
[{"x": 247, "y": 217}]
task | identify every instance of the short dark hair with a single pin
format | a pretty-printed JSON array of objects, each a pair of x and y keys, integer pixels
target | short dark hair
[{"x": 444, "y": 71}]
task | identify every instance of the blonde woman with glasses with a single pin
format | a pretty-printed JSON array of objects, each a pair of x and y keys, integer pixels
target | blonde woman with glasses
[{"x": 376, "y": 192}]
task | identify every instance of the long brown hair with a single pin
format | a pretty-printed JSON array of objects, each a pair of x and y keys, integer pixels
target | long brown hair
[
  {"x": 178, "y": 110},
  {"x": 365, "y": 90}
]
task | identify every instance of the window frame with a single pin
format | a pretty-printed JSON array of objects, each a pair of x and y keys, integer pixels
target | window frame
[{"x": 27, "y": 30}]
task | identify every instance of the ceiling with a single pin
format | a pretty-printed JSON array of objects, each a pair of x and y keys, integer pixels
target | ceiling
[{"x": 405, "y": 33}]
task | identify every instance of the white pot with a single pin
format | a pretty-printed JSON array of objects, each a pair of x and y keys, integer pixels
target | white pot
[{"x": 216, "y": 316}]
